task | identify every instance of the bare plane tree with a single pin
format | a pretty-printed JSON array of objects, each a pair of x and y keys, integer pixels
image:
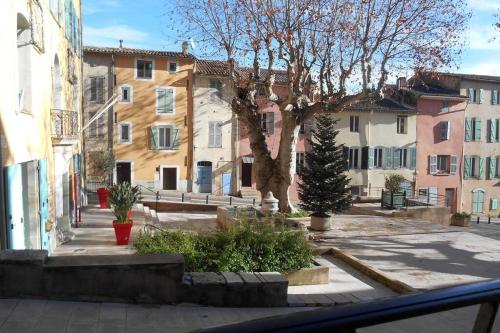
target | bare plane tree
[{"x": 335, "y": 53}]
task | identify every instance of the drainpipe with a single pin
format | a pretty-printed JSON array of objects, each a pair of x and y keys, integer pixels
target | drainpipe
[
  {"x": 459, "y": 208},
  {"x": 3, "y": 231}
]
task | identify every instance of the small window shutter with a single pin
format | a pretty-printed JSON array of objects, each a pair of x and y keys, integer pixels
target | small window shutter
[
  {"x": 270, "y": 122},
  {"x": 467, "y": 166},
  {"x": 493, "y": 129},
  {"x": 481, "y": 96},
  {"x": 161, "y": 100},
  {"x": 492, "y": 167},
  {"x": 494, "y": 97},
  {"x": 396, "y": 157},
  {"x": 481, "y": 168},
  {"x": 153, "y": 136},
  {"x": 471, "y": 95},
  {"x": 211, "y": 134},
  {"x": 218, "y": 134},
  {"x": 169, "y": 96},
  {"x": 468, "y": 129},
  {"x": 388, "y": 159},
  {"x": 370, "y": 157},
  {"x": 175, "y": 138},
  {"x": 100, "y": 90},
  {"x": 477, "y": 129},
  {"x": 432, "y": 164},
  {"x": 413, "y": 157},
  {"x": 453, "y": 164},
  {"x": 494, "y": 203}
]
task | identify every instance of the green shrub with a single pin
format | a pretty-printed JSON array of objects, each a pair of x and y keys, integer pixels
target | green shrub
[
  {"x": 393, "y": 182},
  {"x": 463, "y": 215},
  {"x": 254, "y": 247},
  {"x": 299, "y": 213}
]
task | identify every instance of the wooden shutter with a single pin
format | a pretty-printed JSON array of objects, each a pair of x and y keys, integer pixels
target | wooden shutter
[
  {"x": 493, "y": 204},
  {"x": 93, "y": 89},
  {"x": 481, "y": 168},
  {"x": 370, "y": 157},
  {"x": 453, "y": 164},
  {"x": 467, "y": 166},
  {"x": 364, "y": 158},
  {"x": 161, "y": 100},
  {"x": 481, "y": 96},
  {"x": 432, "y": 164},
  {"x": 211, "y": 134},
  {"x": 494, "y": 97},
  {"x": 477, "y": 129},
  {"x": 270, "y": 122},
  {"x": 471, "y": 95},
  {"x": 413, "y": 157},
  {"x": 493, "y": 129},
  {"x": 468, "y": 129},
  {"x": 100, "y": 90},
  {"x": 396, "y": 157},
  {"x": 169, "y": 101},
  {"x": 388, "y": 158},
  {"x": 175, "y": 138},
  {"x": 492, "y": 167},
  {"x": 218, "y": 134},
  {"x": 153, "y": 138}
]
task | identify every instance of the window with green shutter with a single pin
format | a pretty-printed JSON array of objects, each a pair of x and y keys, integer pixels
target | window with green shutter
[
  {"x": 492, "y": 130},
  {"x": 481, "y": 172},
  {"x": 371, "y": 153},
  {"x": 453, "y": 164},
  {"x": 153, "y": 137},
  {"x": 389, "y": 158},
  {"x": 432, "y": 164},
  {"x": 175, "y": 138},
  {"x": 472, "y": 95},
  {"x": 493, "y": 204},
  {"x": 468, "y": 129},
  {"x": 477, "y": 129},
  {"x": 165, "y": 101},
  {"x": 413, "y": 158},
  {"x": 492, "y": 167},
  {"x": 494, "y": 97},
  {"x": 467, "y": 166},
  {"x": 481, "y": 96}
]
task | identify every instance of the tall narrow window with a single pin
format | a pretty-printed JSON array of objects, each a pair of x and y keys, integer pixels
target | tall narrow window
[
  {"x": 144, "y": 69},
  {"x": 353, "y": 158},
  {"x": 402, "y": 124},
  {"x": 216, "y": 89},
  {"x": 354, "y": 123},
  {"x": 444, "y": 130},
  {"x": 377, "y": 158},
  {"x": 125, "y": 133},
  {"x": 97, "y": 89},
  {"x": 299, "y": 162},
  {"x": 165, "y": 101},
  {"x": 215, "y": 134},
  {"x": 126, "y": 94},
  {"x": 164, "y": 137}
]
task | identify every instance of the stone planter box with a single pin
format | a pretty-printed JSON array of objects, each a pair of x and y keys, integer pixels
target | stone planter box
[
  {"x": 298, "y": 222},
  {"x": 460, "y": 221},
  {"x": 306, "y": 276}
]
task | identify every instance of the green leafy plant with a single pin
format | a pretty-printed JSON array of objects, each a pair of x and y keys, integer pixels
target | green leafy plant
[
  {"x": 298, "y": 213},
  {"x": 393, "y": 182},
  {"x": 122, "y": 197},
  {"x": 462, "y": 215},
  {"x": 250, "y": 247},
  {"x": 102, "y": 163}
]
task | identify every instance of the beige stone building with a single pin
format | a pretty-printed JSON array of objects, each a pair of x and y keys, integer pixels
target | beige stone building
[{"x": 40, "y": 108}]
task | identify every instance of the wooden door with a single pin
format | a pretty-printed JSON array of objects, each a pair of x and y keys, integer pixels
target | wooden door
[
  {"x": 170, "y": 178},
  {"x": 123, "y": 172},
  {"x": 246, "y": 174}
]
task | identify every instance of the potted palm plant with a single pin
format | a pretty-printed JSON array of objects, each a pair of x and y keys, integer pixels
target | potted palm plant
[
  {"x": 102, "y": 163},
  {"x": 122, "y": 197}
]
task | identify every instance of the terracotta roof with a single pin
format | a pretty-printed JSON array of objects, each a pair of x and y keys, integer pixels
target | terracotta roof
[
  {"x": 221, "y": 68},
  {"x": 129, "y": 51},
  {"x": 383, "y": 105},
  {"x": 432, "y": 90},
  {"x": 473, "y": 77}
]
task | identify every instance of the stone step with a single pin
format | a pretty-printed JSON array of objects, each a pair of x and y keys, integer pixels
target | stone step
[{"x": 154, "y": 217}]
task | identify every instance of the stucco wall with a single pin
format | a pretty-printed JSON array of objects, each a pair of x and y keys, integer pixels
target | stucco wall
[
  {"x": 142, "y": 115},
  {"x": 482, "y": 148},
  {"x": 207, "y": 110}
]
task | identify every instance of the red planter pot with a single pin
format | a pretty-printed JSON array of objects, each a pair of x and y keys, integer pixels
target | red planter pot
[
  {"x": 122, "y": 232},
  {"x": 103, "y": 194}
]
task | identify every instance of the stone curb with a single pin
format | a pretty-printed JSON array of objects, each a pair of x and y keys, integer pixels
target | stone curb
[{"x": 374, "y": 273}]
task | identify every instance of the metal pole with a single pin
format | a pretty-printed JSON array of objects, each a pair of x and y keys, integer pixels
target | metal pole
[
  {"x": 182, "y": 197},
  {"x": 478, "y": 219},
  {"x": 489, "y": 219},
  {"x": 230, "y": 201},
  {"x": 382, "y": 200},
  {"x": 206, "y": 200},
  {"x": 253, "y": 201}
]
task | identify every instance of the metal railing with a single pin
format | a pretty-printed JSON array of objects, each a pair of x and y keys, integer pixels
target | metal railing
[
  {"x": 64, "y": 123},
  {"x": 93, "y": 185},
  {"x": 156, "y": 193},
  {"x": 350, "y": 318},
  {"x": 423, "y": 197}
]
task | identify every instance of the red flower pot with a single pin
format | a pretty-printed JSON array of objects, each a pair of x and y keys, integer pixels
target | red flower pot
[
  {"x": 103, "y": 194},
  {"x": 122, "y": 232}
]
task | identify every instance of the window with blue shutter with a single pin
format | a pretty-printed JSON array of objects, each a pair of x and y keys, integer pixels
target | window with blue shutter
[
  {"x": 494, "y": 97},
  {"x": 432, "y": 164},
  {"x": 453, "y": 164},
  {"x": 389, "y": 159}
]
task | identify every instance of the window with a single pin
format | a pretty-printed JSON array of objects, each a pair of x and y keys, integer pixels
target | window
[
  {"x": 402, "y": 124},
  {"x": 403, "y": 157},
  {"x": 172, "y": 67},
  {"x": 96, "y": 127},
  {"x": 474, "y": 167},
  {"x": 377, "y": 157},
  {"x": 493, "y": 128},
  {"x": 472, "y": 94},
  {"x": 144, "y": 69},
  {"x": 216, "y": 89},
  {"x": 444, "y": 130},
  {"x": 299, "y": 162},
  {"x": 163, "y": 137},
  {"x": 496, "y": 166},
  {"x": 125, "y": 94},
  {"x": 472, "y": 129},
  {"x": 495, "y": 97},
  {"x": 354, "y": 123},
  {"x": 267, "y": 122},
  {"x": 354, "y": 158},
  {"x": 97, "y": 89},
  {"x": 165, "y": 101},
  {"x": 445, "y": 106},
  {"x": 443, "y": 163},
  {"x": 125, "y": 133},
  {"x": 215, "y": 134}
]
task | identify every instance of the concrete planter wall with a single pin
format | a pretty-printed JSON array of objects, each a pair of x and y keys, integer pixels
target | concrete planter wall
[
  {"x": 460, "y": 221},
  {"x": 307, "y": 276},
  {"x": 321, "y": 223}
]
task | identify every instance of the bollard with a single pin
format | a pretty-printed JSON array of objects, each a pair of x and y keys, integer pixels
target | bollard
[
  {"x": 230, "y": 201},
  {"x": 478, "y": 220},
  {"x": 182, "y": 198},
  {"x": 206, "y": 200},
  {"x": 489, "y": 219}
]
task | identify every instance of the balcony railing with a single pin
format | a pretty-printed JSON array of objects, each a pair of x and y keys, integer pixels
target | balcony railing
[{"x": 64, "y": 123}]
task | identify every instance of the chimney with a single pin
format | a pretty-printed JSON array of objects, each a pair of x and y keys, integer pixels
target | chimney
[
  {"x": 401, "y": 83},
  {"x": 185, "y": 48},
  {"x": 121, "y": 43}
]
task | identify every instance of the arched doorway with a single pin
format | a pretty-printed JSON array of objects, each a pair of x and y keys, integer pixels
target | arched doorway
[
  {"x": 204, "y": 177},
  {"x": 477, "y": 201}
]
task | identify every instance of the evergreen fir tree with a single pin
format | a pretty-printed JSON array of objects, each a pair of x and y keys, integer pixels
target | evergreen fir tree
[{"x": 324, "y": 184}]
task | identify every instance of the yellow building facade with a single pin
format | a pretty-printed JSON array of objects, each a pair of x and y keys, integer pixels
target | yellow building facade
[
  {"x": 40, "y": 107},
  {"x": 152, "y": 121}
]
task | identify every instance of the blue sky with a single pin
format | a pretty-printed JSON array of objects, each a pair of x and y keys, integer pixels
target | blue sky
[{"x": 146, "y": 24}]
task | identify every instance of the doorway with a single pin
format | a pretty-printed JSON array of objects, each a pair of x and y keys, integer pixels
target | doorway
[
  {"x": 123, "y": 172},
  {"x": 246, "y": 174},
  {"x": 169, "y": 178},
  {"x": 205, "y": 177},
  {"x": 449, "y": 197}
]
